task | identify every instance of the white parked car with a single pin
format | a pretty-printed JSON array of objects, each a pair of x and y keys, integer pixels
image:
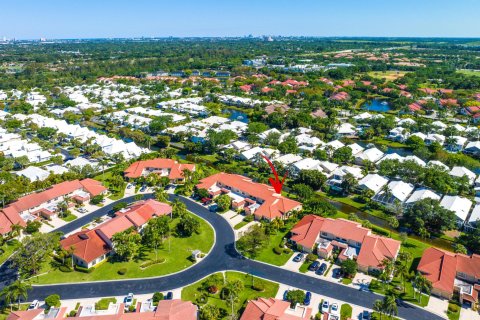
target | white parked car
[
  {"x": 334, "y": 310},
  {"x": 34, "y": 305},
  {"x": 128, "y": 300}
]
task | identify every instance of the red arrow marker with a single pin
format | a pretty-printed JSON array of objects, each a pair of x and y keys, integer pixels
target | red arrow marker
[{"x": 276, "y": 183}]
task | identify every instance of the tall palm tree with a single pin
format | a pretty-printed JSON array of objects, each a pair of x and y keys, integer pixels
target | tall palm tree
[
  {"x": 378, "y": 307},
  {"x": 402, "y": 271},
  {"x": 390, "y": 305},
  {"x": 20, "y": 290},
  {"x": 8, "y": 295}
]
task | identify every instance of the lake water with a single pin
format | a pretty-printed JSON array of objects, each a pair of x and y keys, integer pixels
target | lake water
[
  {"x": 237, "y": 115},
  {"x": 377, "y": 106}
]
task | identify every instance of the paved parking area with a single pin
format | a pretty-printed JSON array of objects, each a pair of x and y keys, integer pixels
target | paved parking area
[
  {"x": 317, "y": 299},
  {"x": 468, "y": 313}
]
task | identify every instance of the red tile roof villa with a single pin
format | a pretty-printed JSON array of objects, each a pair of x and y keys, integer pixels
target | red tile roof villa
[
  {"x": 274, "y": 309},
  {"x": 256, "y": 198},
  {"x": 92, "y": 246},
  {"x": 40, "y": 203},
  {"x": 164, "y": 167},
  {"x": 449, "y": 272},
  {"x": 354, "y": 241}
]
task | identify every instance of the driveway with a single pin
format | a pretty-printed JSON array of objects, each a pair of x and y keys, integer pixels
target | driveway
[{"x": 223, "y": 256}]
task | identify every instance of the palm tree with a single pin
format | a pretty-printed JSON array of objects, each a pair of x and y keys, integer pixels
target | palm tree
[
  {"x": 390, "y": 305},
  {"x": 233, "y": 290},
  {"x": 402, "y": 271},
  {"x": 393, "y": 223},
  {"x": 378, "y": 307},
  {"x": 20, "y": 290},
  {"x": 16, "y": 230},
  {"x": 8, "y": 295}
]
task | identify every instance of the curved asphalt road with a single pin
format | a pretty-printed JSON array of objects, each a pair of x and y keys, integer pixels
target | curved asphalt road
[{"x": 223, "y": 256}]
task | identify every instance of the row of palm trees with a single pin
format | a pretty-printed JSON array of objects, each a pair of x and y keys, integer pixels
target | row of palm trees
[{"x": 15, "y": 292}]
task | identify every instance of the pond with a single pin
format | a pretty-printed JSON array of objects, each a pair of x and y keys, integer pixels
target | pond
[
  {"x": 401, "y": 151},
  {"x": 237, "y": 115},
  {"x": 377, "y": 106}
]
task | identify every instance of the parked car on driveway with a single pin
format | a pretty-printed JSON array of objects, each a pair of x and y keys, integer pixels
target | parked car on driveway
[
  {"x": 129, "y": 186},
  {"x": 365, "y": 315},
  {"x": 325, "y": 306},
  {"x": 285, "y": 295},
  {"x": 128, "y": 300},
  {"x": 334, "y": 309},
  {"x": 298, "y": 257},
  {"x": 314, "y": 266},
  {"x": 143, "y": 188},
  {"x": 34, "y": 305},
  {"x": 321, "y": 270},
  {"x": 337, "y": 273},
  {"x": 169, "y": 295},
  {"x": 308, "y": 298}
]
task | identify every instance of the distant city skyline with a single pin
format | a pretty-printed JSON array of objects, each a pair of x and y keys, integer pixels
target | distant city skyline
[{"x": 55, "y": 19}]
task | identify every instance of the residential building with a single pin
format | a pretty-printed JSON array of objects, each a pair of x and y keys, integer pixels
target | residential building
[
  {"x": 274, "y": 309},
  {"x": 44, "y": 204},
  {"x": 420, "y": 194},
  {"x": 349, "y": 237},
  {"x": 459, "y": 205},
  {"x": 397, "y": 193},
  {"x": 91, "y": 247},
  {"x": 165, "y": 310},
  {"x": 163, "y": 167},
  {"x": 372, "y": 155},
  {"x": 258, "y": 199},
  {"x": 460, "y": 172},
  {"x": 372, "y": 181},
  {"x": 451, "y": 273}
]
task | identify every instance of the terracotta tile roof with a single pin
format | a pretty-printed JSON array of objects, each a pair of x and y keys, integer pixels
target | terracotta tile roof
[
  {"x": 274, "y": 205},
  {"x": 135, "y": 170},
  {"x": 373, "y": 248},
  {"x": 282, "y": 108},
  {"x": 90, "y": 244},
  {"x": 439, "y": 267},
  {"x": 87, "y": 245},
  {"x": 469, "y": 265},
  {"x": 271, "y": 309},
  {"x": 9, "y": 217},
  {"x": 93, "y": 187},
  {"x": 175, "y": 310}
]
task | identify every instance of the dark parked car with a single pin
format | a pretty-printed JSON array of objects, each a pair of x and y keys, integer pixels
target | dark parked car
[
  {"x": 206, "y": 201},
  {"x": 321, "y": 270},
  {"x": 314, "y": 266},
  {"x": 143, "y": 188},
  {"x": 169, "y": 296},
  {"x": 337, "y": 273},
  {"x": 298, "y": 257},
  {"x": 285, "y": 295},
  {"x": 213, "y": 208},
  {"x": 365, "y": 315},
  {"x": 308, "y": 298}
]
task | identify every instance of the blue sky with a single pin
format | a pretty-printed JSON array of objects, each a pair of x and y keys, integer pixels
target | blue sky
[{"x": 32, "y": 19}]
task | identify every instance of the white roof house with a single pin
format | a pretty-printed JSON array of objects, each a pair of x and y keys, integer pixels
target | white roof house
[
  {"x": 264, "y": 134},
  {"x": 462, "y": 171},
  {"x": 79, "y": 162},
  {"x": 306, "y": 164},
  {"x": 288, "y": 159},
  {"x": 391, "y": 156},
  {"x": 252, "y": 153},
  {"x": 434, "y": 137},
  {"x": 328, "y": 167},
  {"x": 362, "y": 116},
  {"x": 475, "y": 215},
  {"x": 342, "y": 171},
  {"x": 461, "y": 206},
  {"x": 346, "y": 129},
  {"x": 335, "y": 144},
  {"x": 439, "y": 124},
  {"x": 34, "y": 173},
  {"x": 437, "y": 163},
  {"x": 406, "y": 121},
  {"x": 473, "y": 147},
  {"x": 56, "y": 169},
  {"x": 239, "y": 145},
  {"x": 356, "y": 148},
  {"x": 373, "y": 182},
  {"x": 422, "y": 193},
  {"x": 372, "y": 155},
  {"x": 416, "y": 159},
  {"x": 399, "y": 192},
  {"x": 420, "y": 135}
]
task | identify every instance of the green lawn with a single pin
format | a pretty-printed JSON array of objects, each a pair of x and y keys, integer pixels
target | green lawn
[
  {"x": 469, "y": 72},
  {"x": 451, "y": 314},
  {"x": 267, "y": 255},
  {"x": 69, "y": 218},
  {"x": 304, "y": 267},
  {"x": 194, "y": 291},
  {"x": 7, "y": 249},
  {"x": 240, "y": 224},
  {"x": 116, "y": 193},
  {"x": 377, "y": 287},
  {"x": 175, "y": 260}
]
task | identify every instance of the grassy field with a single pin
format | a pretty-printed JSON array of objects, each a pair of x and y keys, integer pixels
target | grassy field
[
  {"x": 176, "y": 259},
  {"x": 267, "y": 255},
  {"x": 389, "y": 75},
  {"x": 194, "y": 291},
  {"x": 7, "y": 249},
  {"x": 377, "y": 287},
  {"x": 469, "y": 72},
  {"x": 453, "y": 315}
]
